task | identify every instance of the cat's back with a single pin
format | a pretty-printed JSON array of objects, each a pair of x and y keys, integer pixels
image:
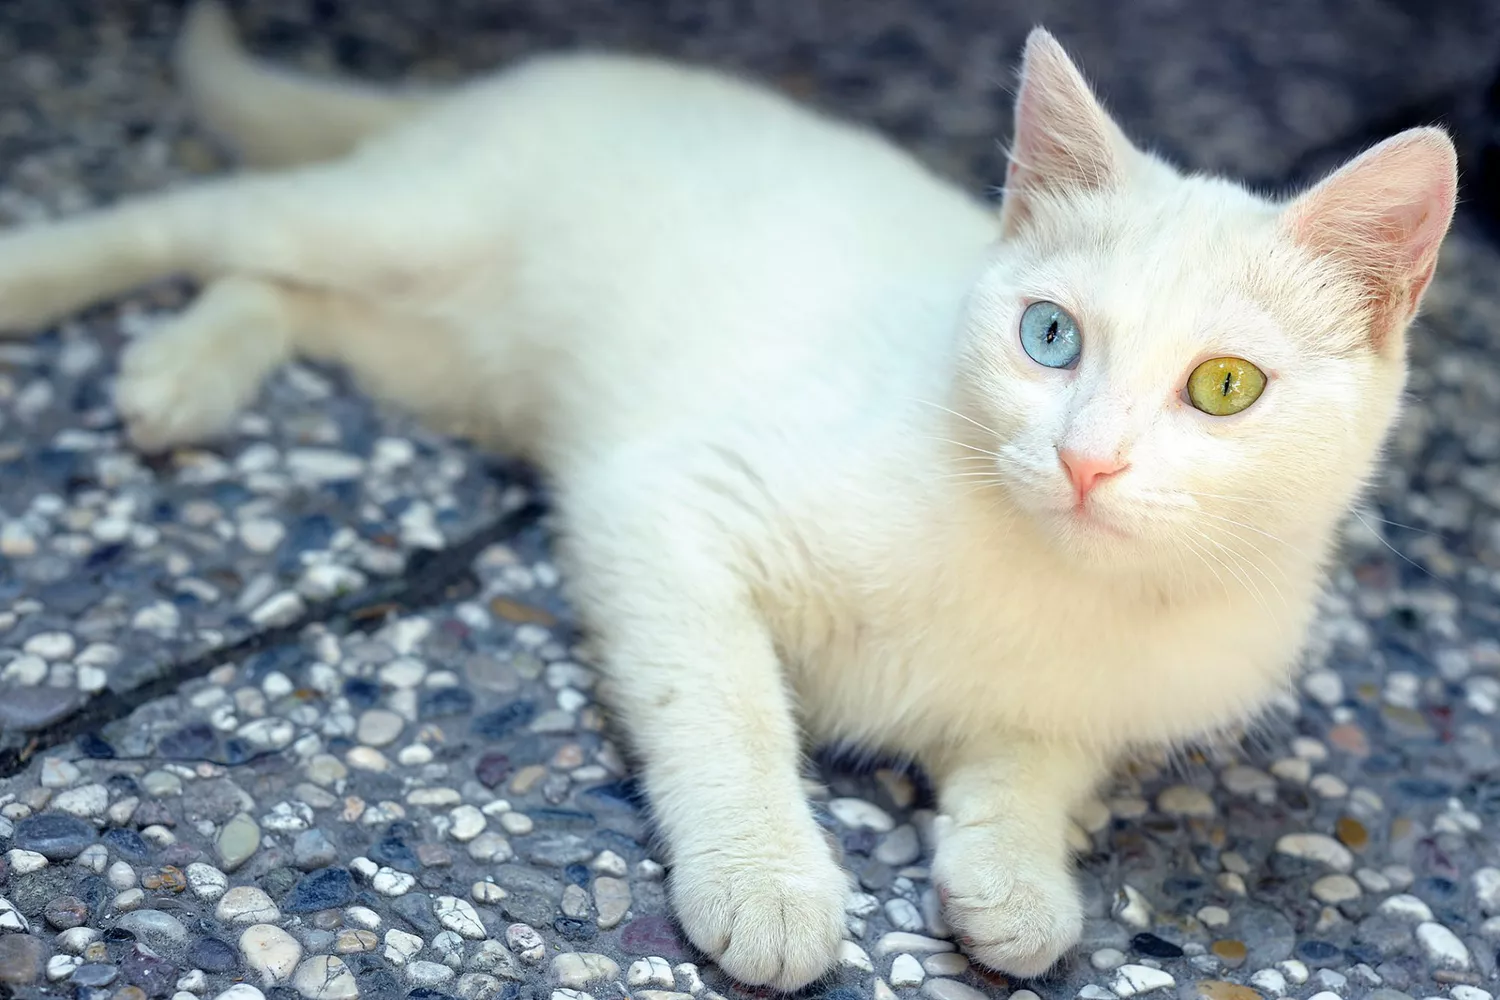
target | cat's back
[{"x": 676, "y": 241}]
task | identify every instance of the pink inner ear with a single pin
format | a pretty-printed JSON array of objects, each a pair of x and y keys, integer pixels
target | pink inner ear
[
  {"x": 1064, "y": 139},
  {"x": 1383, "y": 218}
]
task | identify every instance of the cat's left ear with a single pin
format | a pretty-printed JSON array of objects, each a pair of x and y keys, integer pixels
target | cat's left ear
[
  {"x": 1064, "y": 142},
  {"x": 1382, "y": 218}
]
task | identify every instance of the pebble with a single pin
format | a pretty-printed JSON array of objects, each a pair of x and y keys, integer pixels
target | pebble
[
  {"x": 611, "y": 901},
  {"x": 907, "y": 971},
  {"x": 157, "y": 929},
  {"x": 424, "y": 973},
  {"x": 1269, "y": 981},
  {"x": 855, "y": 957},
  {"x": 246, "y": 904},
  {"x": 241, "y": 991},
  {"x": 1132, "y": 909},
  {"x": 691, "y": 981},
  {"x": 467, "y": 823},
  {"x": 904, "y": 915},
  {"x": 401, "y": 946},
  {"x": 1230, "y": 951},
  {"x": 899, "y": 847},
  {"x": 1213, "y": 916},
  {"x": 945, "y": 963},
  {"x": 58, "y": 773},
  {"x": 389, "y": 882},
  {"x": 325, "y": 977},
  {"x": 379, "y": 727},
  {"x": 487, "y": 893},
  {"x": 1133, "y": 980},
  {"x": 354, "y": 940},
  {"x": 270, "y": 952},
  {"x": 861, "y": 815},
  {"x": 1351, "y": 832},
  {"x": 899, "y": 941},
  {"x": 1334, "y": 889},
  {"x": 1406, "y": 907},
  {"x": 574, "y": 970},
  {"x": 525, "y": 942},
  {"x": 1442, "y": 947},
  {"x": 22, "y": 959},
  {"x": 655, "y": 971},
  {"x": 237, "y": 841},
  {"x": 952, "y": 989},
  {"x": 24, "y": 862},
  {"x": 55, "y": 837},
  {"x": 1317, "y": 847},
  {"x": 1186, "y": 801},
  {"x": 50, "y": 645},
  {"x": 1487, "y": 889},
  {"x": 323, "y": 889},
  {"x": 459, "y": 916},
  {"x": 60, "y": 967}
]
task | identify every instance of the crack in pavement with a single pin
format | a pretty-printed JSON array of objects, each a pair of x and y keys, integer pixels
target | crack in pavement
[{"x": 430, "y": 579}]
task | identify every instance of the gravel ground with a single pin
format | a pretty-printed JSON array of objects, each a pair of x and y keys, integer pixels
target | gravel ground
[{"x": 304, "y": 714}]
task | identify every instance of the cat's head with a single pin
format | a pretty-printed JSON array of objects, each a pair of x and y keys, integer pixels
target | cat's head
[{"x": 1172, "y": 371}]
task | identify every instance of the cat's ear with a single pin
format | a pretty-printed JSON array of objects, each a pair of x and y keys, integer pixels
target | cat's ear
[
  {"x": 1382, "y": 218},
  {"x": 1064, "y": 140}
]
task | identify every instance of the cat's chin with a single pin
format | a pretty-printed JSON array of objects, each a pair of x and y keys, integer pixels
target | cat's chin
[{"x": 1095, "y": 537}]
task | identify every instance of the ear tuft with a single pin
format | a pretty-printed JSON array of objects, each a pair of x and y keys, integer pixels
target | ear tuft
[
  {"x": 1064, "y": 139},
  {"x": 1381, "y": 219}
]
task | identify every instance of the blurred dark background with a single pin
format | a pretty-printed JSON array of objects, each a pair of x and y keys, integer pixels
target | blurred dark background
[{"x": 1272, "y": 92}]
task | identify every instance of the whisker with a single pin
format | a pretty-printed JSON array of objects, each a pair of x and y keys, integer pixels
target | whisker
[
  {"x": 962, "y": 416},
  {"x": 1401, "y": 555}
]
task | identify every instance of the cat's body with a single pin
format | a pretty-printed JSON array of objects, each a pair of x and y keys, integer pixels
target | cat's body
[{"x": 807, "y": 479}]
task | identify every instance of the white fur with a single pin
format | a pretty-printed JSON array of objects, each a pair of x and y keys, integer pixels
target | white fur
[{"x": 809, "y": 480}]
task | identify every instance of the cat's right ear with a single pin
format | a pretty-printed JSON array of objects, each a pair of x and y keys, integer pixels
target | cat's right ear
[{"x": 1064, "y": 142}]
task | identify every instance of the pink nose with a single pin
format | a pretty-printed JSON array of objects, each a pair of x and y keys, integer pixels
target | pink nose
[{"x": 1087, "y": 471}]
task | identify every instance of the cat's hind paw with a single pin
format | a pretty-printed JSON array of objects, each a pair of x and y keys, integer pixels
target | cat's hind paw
[{"x": 767, "y": 918}]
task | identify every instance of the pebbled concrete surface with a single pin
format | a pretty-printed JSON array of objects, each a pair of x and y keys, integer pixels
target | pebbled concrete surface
[{"x": 305, "y": 712}]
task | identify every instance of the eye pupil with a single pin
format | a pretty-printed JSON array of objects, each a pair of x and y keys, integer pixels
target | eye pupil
[{"x": 1228, "y": 383}]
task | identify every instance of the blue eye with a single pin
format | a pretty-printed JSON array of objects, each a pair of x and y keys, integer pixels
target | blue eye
[{"x": 1050, "y": 335}]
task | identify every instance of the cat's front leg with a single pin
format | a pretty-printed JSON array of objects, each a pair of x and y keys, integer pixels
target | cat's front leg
[
  {"x": 1002, "y": 864},
  {"x": 691, "y": 671}
]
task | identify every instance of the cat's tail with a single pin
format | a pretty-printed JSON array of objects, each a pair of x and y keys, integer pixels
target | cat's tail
[{"x": 272, "y": 116}]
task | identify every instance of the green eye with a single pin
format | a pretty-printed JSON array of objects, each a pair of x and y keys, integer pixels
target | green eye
[{"x": 1221, "y": 387}]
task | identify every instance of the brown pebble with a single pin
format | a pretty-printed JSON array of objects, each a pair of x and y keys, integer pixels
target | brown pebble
[
  {"x": 129, "y": 993},
  {"x": 1351, "y": 739},
  {"x": 96, "y": 952},
  {"x": 1352, "y": 833},
  {"x": 1229, "y": 951},
  {"x": 351, "y": 942},
  {"x": 521, "y": 614},
  {"x": 1218, "y": 989},
  {"x": 434, "y": 855},
  {"x": 568, "y": 756},
  {"x": 168, "y": 879}
]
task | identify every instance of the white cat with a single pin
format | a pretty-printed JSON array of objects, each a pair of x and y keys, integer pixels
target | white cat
[{"x": 839, "y": 453}]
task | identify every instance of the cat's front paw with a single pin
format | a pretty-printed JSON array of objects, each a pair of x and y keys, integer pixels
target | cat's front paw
[
  {"x": 768, "y": 917},
  {"x": 1015, "y": 911}
]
